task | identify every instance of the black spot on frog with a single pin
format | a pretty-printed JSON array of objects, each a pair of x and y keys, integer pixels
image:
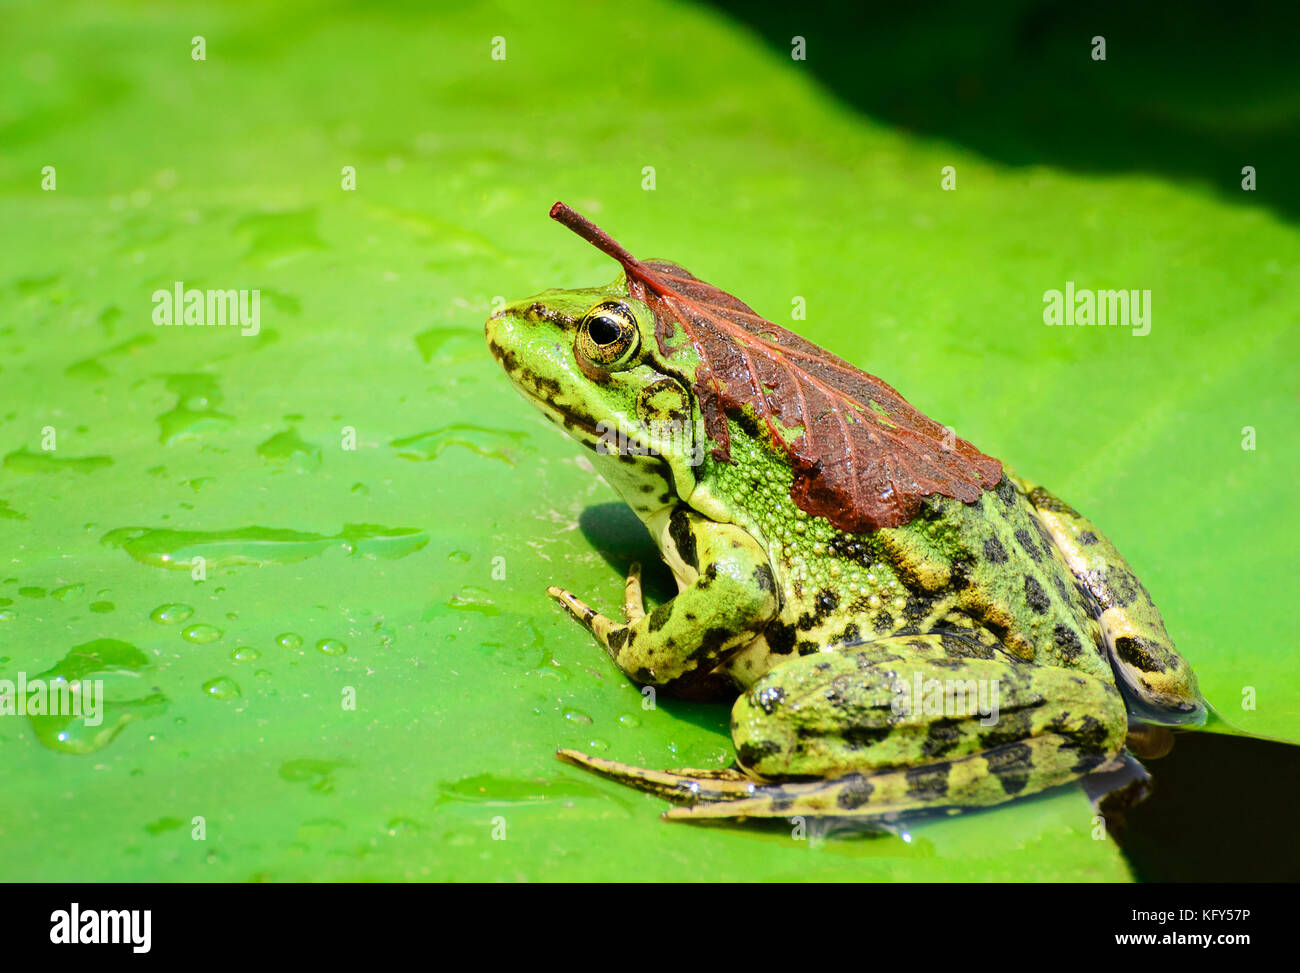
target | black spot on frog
[
  {"x": 1067, "y": 643},
  {"x": 855, "y": 791},
  {"x": 769, "y": 699},
  {"x": 1026, "y": 542},
  {"x": 1137, "y": 652},
  {"x": 1006, "y": 492},
  {"x": 928, "y": 783},
  {"x": 1036, "y": 596},
  {"x": 780, "y": 638},
  {"x": 659, "y": 617},
  {"x": 679, "y": 530},
  {"x": 752, "y": 753},
  {"x": 1011, "y": 764},
  {"x": 994, "y": 552}
]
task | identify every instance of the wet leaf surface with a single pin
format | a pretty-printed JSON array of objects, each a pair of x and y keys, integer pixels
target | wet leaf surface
[{"x": 227, "y": 174}]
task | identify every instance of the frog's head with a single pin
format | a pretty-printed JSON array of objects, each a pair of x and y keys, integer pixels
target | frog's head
[{"x": 589, "y": 361}]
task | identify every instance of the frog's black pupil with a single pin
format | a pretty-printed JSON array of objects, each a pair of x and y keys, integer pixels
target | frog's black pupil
[{"x": 603, "y": 330}]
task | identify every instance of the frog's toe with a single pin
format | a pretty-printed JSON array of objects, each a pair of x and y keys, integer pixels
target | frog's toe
[
  {"x": 579, "y": 609},
  {"x": 633, "y": 602},
  {"x": 719, "y": 785},
  {"x": 590, "y": 619},
  {"x": 610, "y": 634}
]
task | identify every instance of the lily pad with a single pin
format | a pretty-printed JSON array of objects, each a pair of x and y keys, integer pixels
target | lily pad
[{"x": 324, "y": 546}]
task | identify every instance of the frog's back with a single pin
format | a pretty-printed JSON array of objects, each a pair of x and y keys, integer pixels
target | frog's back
[
  {"x": 986, "y": 570},
  {"x": 990, "y": 568}
]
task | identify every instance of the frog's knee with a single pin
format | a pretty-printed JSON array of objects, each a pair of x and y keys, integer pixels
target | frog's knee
[
  {"x": 765, "y": 747},
  {"x": 760, "y": 730},
  {"x": 813, "y": 717},
  {"x": 746, "y": 583},
  {"x": 1158, "y": 684}
]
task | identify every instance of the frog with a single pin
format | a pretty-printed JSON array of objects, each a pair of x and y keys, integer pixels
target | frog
[{"x": 853, "y": 659}]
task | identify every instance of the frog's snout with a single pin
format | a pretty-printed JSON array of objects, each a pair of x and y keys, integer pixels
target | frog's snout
[
  {"x": 492, "y": 330},
  {"x": 506, "y": 342}
]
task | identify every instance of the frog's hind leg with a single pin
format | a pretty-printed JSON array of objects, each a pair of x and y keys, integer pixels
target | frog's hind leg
[
  {"x": 836, "y": 734},
  {"x": 915, "y": 723},
  {"x": 978, "y": 780},
  {"x": 685, "y": 784},
  {"x": 1157, "y": 682}
]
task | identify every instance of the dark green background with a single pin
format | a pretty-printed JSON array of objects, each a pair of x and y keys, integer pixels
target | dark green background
[{"x": 774, "y": 179}]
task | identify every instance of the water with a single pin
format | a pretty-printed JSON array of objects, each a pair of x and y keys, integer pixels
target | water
[{"x": 1222, "y": 809}]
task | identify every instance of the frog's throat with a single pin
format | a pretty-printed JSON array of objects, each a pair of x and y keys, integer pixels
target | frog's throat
[{"x": 586, "y": 430}]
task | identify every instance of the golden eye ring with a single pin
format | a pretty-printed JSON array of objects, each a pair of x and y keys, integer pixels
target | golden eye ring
[{"x": 608, "y": 335}]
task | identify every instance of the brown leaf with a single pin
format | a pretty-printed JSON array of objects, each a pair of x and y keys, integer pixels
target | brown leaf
[{"x": 862, "y": 456}]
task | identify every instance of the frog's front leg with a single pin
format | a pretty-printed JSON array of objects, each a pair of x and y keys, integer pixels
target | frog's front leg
[{"x": 731, "y": 599}]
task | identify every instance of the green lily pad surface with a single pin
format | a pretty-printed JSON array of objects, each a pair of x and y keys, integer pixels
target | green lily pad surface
[{"x": 309, "y": 564}]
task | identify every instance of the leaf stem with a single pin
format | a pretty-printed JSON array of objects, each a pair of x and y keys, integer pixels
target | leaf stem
[{"x": 589, "y": 231}]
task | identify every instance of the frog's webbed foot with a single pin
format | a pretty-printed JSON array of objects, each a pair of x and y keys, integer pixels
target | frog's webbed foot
[
  {"x": 600, "y": 625},
  {"x": 727, "y": 793},
  {"x": 688, "y": 636},
  {"x": 687, "y": 784},
  {"x": 977, "y": 780},
  {"x": 633, "y": 603}
]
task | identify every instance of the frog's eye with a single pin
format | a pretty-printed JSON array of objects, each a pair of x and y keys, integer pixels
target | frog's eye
[{"x": 608, "y": 335}]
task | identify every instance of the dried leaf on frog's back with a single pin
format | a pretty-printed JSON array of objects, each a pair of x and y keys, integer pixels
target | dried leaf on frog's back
[{"x": 863, "y": 457}]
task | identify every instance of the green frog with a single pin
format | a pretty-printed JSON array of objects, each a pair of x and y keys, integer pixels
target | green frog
[{"x": 988, "y": 647}]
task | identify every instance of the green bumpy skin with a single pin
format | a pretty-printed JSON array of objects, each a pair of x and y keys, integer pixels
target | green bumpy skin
[{"x": 857, "y": 660}]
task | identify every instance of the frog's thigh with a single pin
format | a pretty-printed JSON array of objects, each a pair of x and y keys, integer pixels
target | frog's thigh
[
  {"x": 731, "y": 600},
  {"x": 897, "y": 724},
  {"x": 1158, "y": 681}
]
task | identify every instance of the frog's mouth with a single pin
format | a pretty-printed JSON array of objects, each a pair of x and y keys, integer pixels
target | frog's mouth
[
  {"x": 581, "y": 427},
  {"x": 600, "y": 437},
  {"x": 543, "y": 395}
]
